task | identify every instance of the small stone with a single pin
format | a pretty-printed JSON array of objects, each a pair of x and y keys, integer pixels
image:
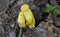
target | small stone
[{"x": 12, "y": 25}]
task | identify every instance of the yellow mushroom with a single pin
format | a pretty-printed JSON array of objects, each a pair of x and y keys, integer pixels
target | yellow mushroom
[{"x": 26, "y": 17}]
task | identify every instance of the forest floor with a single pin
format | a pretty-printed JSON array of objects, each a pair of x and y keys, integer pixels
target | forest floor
[{"x": 47, "y": 24}]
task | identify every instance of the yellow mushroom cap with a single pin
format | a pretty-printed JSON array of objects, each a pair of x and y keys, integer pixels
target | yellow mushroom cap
[{"x": 24, "y": 7}]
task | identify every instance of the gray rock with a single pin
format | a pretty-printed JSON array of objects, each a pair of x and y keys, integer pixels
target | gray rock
[
  {"x": 1, "y": 31},
  {"x": 28, "y": 1},
  {"x": 20, "y": 2},
  {"x": 1, "y": 19},
  {"x": 0, "y": 23},
  {"x": 57, "y": 21},
  {"x": 3, "y": 6},
  {"x": 11, "y": 1},
  {"x": 12, "y": 34},
  {"x": 39, "y": 31},
  {"x": 5, "y": 16}
]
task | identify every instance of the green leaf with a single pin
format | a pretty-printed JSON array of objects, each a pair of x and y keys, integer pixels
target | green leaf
[
  {"x": 57, "y": 11},
  {"x": 49, "y": 8}
]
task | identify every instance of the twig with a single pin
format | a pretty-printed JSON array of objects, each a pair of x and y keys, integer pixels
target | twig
[
  {"x": 49, "y": 16},
  {"x": 20, "y": 32}
]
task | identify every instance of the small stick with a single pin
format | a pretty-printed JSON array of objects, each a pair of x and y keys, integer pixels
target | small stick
[{"x": 20, "y": 32}]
